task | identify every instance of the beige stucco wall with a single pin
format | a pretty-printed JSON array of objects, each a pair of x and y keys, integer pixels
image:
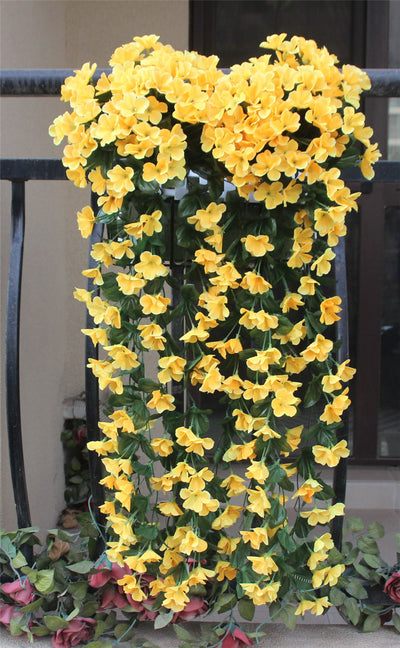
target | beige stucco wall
[{"x": 55, "y": 34}]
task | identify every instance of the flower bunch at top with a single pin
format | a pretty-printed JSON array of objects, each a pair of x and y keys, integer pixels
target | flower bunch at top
[{"x": 256, "y": 155}]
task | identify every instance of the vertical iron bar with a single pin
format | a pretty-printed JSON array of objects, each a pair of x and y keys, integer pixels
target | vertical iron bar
[
  {"x": 342, "y": 333},
  {"x": 177, "y": 327},
  {"x": 12, "y": 355},
  {"x": 92, "y": 403}
]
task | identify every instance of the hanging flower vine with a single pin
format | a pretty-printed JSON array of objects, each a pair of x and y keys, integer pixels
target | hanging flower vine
[{"x": 197, "y": 510}]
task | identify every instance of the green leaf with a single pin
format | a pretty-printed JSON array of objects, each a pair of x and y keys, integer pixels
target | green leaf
[
  {"x": 396, "y": 621},
  {"x": 246, "y": 609},
  {"x": 367, "y": 545},
  {"x": 183, "y": 634},
  {"x": 19, "y": 560},
  {"x": 375, "y": 530},
  {"x": 398, "y": 540},
  {"x": 163, "y": 619},
  {"x": 362, "y": 570},
  {"x": 78, "y": 590},
  {"x": 313, "y": 393},
  {"x": 354, "y": 524},
  {"x": 352, "y": 610},
  {"x": 82, "y": 567},
  {"x": 354, "y": 588},
  {"x": 372, "y": 623},
  {"x": 35, "y": 605},
  {"x": 225, "y": 602},
  {"x": 372, "y": 561},
  {"x": 55, "y": 623},
  {"x": 288, "y": 617},
  {"x": 100, "y": 643},
  {"x": 146, "y": 385},
  {"x": 337, "y": 597},
  {"x": 16, "y": 625},
  {"x": 45, "y": 581}
]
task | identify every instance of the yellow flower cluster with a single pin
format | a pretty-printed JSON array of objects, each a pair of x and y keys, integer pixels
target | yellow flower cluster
[{"x": 193, "y": 506}]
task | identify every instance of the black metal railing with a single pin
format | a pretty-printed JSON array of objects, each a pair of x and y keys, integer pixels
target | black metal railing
[{"x": 22, "y": 83}]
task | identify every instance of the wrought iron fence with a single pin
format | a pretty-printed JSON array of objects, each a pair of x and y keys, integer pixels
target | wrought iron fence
[{"x": 22, "y": 83}]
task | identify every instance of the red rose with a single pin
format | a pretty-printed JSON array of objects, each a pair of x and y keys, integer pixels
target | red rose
[
  {"x": 236, "y": 639},
  {"x": 112, "y": 598},
  {"x": 104, "y": 576},
  {"x": 79, "y": 630},
  {"x": 194, "y": 608},
  {"x": 392, "y": 587},
  {"x": 21, "y": 591},
  {"x": 7, "y": 612}
]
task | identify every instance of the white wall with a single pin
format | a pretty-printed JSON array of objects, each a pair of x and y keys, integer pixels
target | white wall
[{"x": 55, "y": 34}]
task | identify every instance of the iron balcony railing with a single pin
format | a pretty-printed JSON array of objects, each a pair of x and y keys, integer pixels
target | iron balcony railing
[{"x": 23, "y": 83}]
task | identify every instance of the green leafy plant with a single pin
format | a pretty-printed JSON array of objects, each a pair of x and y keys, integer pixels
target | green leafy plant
[{"x": 368, "y": 592}]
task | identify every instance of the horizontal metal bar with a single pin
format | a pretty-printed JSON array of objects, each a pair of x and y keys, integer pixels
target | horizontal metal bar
[
  {"x": 25, "y": 169},
  {"x": 37, "y": 83},
  {"x": 385, "y": 172}
]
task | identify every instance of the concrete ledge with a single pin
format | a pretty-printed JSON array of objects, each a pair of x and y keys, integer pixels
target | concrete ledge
[{"x": 277, "y": 636}]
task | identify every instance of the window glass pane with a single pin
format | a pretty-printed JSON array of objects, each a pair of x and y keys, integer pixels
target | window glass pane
[{"x": 389, "y": 415}]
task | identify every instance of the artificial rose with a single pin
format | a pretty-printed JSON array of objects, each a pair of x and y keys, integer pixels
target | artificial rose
[
  {"x": 20, "y": 590},
  {"x": 236, "y": 639},
  {"x": 79, "y": 630},
  {"x": 392, "y": 587},
  {"x": 194, "y": 608},
  {"x": 7, "y": 612},
  {"x": 104, "y": 576},
  {"x": 79, "y": 436},
  {"x": 112, "y": 598}
]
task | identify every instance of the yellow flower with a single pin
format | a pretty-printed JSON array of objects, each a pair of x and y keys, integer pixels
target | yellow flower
[
  {"x": 264, "y": 565},
  {"x": 172, "y": 368},
  {"x": 316, "y": 606},
  {"x": 151, "y": 222},
  {"x": 208, "y": 259},
  {"x": 161, "y": 402},
  {"x": 371, "y": 155},
  {"x": 259, "y": 502},
  {"x": 97, "y": 335},
  {"x": 151, "y": 266},
  {"x": 256, "y": 537},
  {"x": 333, "y": 411},
  {"x": 258, "y": 246},
  {"x": 240, "y": 452},
  {"x": 291, "y": 301},
  {"x": 318, "y": 350},
  {"x": 234, "y": 484},
  {"x": 192, "y": 543},
  {"x": 191, "y": 442},
  {"x": 284, "y": 403},
  {"x": 205, "y": 219},
  {"x": 227, "y": 518},
  {"x": 255, "y": 284},
  {"x": 258, "y": 471},
  {"x": 307, "y": 286},
  {"x": 307, "y": 490},
  {"x": 120, "y": 180},
  {"x": 170, "y": 509},
  {"x": 228, "y": 545},
  {"x": 322, "y": 265},
  {"x": 86, "y": 219},
  {"x": 162, "y": 446},
  {"x": 176, "y": 597},
  {"x": 130, "y": 284},
  {"x": 329, "y": 309},
  {"x": 223, "y": 569},
  {"x": 261, "y": 596},
  {"x": 154, "y": 304},
  {"x": 330, "y": 456},
  {"x": 199, "y": 501}
]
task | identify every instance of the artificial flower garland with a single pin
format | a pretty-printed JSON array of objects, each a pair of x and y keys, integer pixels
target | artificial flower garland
[{"x": 198, "y": 519}]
